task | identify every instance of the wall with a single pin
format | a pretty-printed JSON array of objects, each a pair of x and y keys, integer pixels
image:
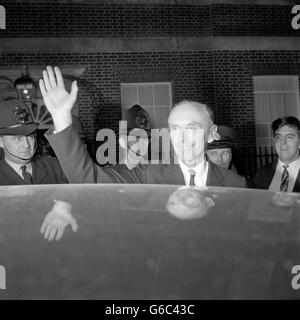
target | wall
[
  {"x": 59, "y": 18},
  {"x": 209, "y": 50}
]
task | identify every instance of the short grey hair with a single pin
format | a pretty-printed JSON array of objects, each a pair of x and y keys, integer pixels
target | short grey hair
[{"x": 200, "y": 107}]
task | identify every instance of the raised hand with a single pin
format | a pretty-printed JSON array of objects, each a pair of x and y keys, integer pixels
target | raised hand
[{"x": 57, "y": 100}]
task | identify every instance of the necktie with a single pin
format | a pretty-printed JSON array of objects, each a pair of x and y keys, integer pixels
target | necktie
[
  {"x": 26, "y": 175},
  {"x": 284, "y": 179},
  {"x": 192, "y": 177}
]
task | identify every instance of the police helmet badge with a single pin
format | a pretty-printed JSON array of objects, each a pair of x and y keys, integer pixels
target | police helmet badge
[
  {"x": 217, "y": 137},
  {"x": 141, "y": 120},
  {"x": 20, "y": 114},
  {"x": 15, "y": 118}
]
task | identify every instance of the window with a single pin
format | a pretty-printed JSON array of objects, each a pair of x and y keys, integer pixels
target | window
[
  {"x": 155, "y": 98},
  {"x": 274, "y": 97}
]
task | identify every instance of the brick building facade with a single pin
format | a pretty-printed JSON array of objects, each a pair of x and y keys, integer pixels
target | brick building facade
[{"x": 208, "y": 50}]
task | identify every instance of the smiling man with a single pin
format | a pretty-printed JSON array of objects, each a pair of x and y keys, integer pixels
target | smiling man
[
  {"x": 191, "y": 127},
  {"x": 282, "y": 175}
]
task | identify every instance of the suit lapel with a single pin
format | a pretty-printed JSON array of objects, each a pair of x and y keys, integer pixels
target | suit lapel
[
  {"x": 39, "y": 172},
  {"x": 270, "y": 174},
  {"x": 9, "y": 174},
  {"x": 268, "y": 178},
  {"x": 174, "y": 175},
  {"x": 297, "y": 183},
  {"x": 214, "y": 176}
]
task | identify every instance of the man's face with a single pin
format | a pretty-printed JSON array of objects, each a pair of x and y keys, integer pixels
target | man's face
[
  {"x": 287, "y": 142},
  {"x": 16, "y": 147},
  {"x": 189, "y": 131},
  {"x": 220, "y": 157}
]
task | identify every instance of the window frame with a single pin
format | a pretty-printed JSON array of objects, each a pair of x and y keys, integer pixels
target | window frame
[
  {"x": 141, "y": 84},
  {"x": 257, "y": 92}
]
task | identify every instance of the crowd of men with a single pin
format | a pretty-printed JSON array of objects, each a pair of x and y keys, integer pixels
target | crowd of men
[{"x": 203, "y": 150}]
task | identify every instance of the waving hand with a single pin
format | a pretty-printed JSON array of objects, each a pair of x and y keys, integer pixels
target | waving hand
[{"x": 57, "y": 100}]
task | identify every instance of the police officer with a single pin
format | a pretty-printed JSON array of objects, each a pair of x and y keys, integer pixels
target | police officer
[
  {"x": 18, "y": 164},
  {"x": 132, "y": 138},
  {"x": 220, "y": 150}
]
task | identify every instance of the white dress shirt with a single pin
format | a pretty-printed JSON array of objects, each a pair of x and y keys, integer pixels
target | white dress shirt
[
  {"x": 201, "y": 173},
  {"x": 17, "y": 167},
  {"x": 293, "y": 169}
]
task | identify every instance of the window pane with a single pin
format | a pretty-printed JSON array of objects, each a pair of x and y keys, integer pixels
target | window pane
[
  {"x": 274, "y": 97},
  {"x": 155, "y": 98},
  {"x": 290, "y": 103},
  {"x": 146, "y": 97},
  {"x": 129, "y": 95},
  {"x": 262, "y": 107},
  {"x": 161, "y": 116}
]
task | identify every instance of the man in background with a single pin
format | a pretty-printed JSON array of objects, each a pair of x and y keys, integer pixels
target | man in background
[
  {"x": 18, "y": 164},
  {"x": 283, "y": 174},
  {"x": 220, "y": 150},
  {"x": 134, "y": 147}
]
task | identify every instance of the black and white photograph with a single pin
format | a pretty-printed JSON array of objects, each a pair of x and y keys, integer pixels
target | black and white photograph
[{"x": 149, "y": 153}]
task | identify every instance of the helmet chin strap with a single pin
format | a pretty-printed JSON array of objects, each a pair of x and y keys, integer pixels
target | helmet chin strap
[
  {"x": 136, "y": 153},
  {"x": 24, "y": 159}
]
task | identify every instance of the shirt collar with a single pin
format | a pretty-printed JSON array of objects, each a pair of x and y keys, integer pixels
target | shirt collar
[
  {"x": 17, "y": 166},
  {"x": 291, "y": 165},
  {"x": 198, "y": 169}
]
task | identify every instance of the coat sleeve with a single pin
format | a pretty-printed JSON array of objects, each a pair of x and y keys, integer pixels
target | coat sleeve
[
  {"x": 258, "y": 182},
  {"x": 60, "y": 174},
  {"x": 74, "y": 159}
]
